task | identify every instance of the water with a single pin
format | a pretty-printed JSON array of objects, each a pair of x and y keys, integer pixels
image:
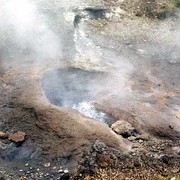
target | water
[
  {"x": 77, "y": 89},
  {"x": 88, "y": 109}
]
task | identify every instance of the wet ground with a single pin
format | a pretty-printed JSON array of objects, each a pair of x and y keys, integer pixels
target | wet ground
[{"x": 128, "y": 65}]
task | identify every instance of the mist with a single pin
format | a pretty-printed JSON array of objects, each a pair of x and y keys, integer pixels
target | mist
[{"x": 25, "y": 33}]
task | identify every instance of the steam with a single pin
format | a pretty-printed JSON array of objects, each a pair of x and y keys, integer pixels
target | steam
[
  {"x": 88, "y": 53},
  {"x": 25, "y": 31}
]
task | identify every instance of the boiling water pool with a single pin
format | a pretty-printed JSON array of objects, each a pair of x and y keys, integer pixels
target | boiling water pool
[{"x": 77, "y": 89}]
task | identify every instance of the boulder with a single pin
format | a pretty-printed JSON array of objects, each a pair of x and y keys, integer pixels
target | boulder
[{"x": 123, "y": 128}]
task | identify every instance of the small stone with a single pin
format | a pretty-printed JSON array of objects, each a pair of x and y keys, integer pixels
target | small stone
[
  {"x": 26, "y": 164},
  {"x": 3, "y": 135},
  {"x": 141, "y": 141},
  {"x": 166, "y": 159},
  {"x": 94, "y": 154},
  {"x": 17, "y": 137},
  {"x": 47, "y": 165},
  {"x": 174, "y": 178},
  {"x": 131, "y": 138},
  {"x": 66, "y": 171},
  {"x": 60, "y": 171}
]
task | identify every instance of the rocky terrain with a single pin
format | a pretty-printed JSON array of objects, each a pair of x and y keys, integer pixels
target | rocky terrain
[{"x": 137, "y": 44}]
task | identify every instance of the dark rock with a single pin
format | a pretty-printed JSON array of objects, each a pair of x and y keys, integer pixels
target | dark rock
[
  {"x": 96, "y": 13},
  {"x": 137, "y": 164},
  {"x": 166, "y": 159},
  {"x": 77, "y": 20},
  {"x": 65, "y": 177}
]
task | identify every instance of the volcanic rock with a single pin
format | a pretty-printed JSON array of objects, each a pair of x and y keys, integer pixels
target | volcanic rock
[
  {"x": 17, "y": 137},
  {"x": 123, "y": 128}
]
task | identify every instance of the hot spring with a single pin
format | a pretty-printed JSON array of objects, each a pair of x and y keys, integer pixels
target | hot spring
[{"x": 76, "y": 89}]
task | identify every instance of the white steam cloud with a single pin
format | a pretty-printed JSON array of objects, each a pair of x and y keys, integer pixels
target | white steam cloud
[{"x": 22, "y": 25}]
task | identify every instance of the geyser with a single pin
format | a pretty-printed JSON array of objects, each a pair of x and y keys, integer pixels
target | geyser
[{"x": 77, "y": 89}]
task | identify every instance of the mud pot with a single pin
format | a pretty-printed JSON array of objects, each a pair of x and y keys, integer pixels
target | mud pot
[{"x": 76, "y": 89}]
